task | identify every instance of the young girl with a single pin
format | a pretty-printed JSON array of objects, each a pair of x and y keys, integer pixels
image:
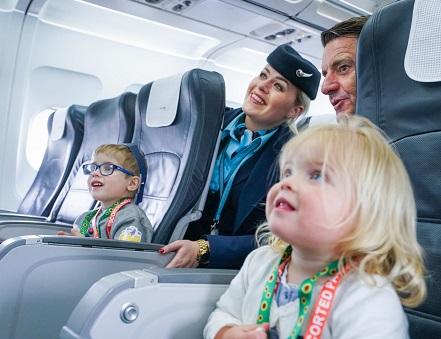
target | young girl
[
  {"x": 343, "y": 254},
  {"x": 114, "y": 180}
]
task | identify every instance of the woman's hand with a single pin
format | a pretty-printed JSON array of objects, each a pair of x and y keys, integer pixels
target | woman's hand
[
  {"x": 243, "y": 332},
  {"x": 186, "y": 253},
  {"x": 73, "y": 232}
]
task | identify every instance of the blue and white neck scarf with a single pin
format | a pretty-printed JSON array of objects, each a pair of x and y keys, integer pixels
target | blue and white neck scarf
[{"x": 239, "y": 148}]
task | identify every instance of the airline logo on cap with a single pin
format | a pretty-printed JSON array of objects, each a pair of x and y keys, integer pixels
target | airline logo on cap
[{"x": 302, "y": 74}]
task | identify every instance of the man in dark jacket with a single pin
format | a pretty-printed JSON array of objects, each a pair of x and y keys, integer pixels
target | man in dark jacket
[{"x": 246, "y": 165}]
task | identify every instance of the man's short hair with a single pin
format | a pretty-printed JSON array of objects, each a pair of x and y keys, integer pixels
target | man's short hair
[{"x": 348, "y": 28}]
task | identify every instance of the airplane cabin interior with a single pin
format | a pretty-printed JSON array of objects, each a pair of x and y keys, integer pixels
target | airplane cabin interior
[{"x": 79, "y": 73}]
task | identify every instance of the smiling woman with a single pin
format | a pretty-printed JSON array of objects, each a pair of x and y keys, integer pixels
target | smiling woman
[{"x": 244, "y": 170}]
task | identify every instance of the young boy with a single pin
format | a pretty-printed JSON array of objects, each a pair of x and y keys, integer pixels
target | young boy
[{"x": 116, "y": 177}]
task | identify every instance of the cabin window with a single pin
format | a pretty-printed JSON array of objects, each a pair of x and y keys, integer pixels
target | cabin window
[{"x": 37, "y": 138}]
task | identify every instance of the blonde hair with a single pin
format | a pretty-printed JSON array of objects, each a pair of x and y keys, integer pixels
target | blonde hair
[
  {"x": 120, "y": 153},
  {"x": 301, "y": 100},
  {"x": 383, "y": 242}
]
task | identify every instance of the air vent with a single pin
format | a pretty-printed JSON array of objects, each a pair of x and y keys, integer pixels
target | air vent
[
  {"x": 279, "y": 34},
  {"x": 153, "y": 2},
  {"x": 176, "y": 6}
]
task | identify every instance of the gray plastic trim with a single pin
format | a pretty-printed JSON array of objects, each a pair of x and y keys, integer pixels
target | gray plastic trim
[
  {"x": 9, "y": 244},
  {"x": 192, "y": 275},
  {"x": 80, "y": 319}
]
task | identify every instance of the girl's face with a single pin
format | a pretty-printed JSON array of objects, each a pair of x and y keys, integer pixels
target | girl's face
[
  {"x": 309, "y": 208},
  {"x": 109, "y": 189},
  {"x": 269, "y": 100}
]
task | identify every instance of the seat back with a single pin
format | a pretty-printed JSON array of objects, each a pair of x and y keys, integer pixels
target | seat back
[
  {"x": 65, "y": 134},
  {"x": 106, "y": 121},
  {"x": 150, "y": 303},
  {"x": 179, "y": 139},
  {"x": 43, "y": 278},
  {"x": 409, "y": 112}
]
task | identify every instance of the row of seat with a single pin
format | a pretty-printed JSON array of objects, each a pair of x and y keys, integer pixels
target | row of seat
[{"x": 179, "y": 153}]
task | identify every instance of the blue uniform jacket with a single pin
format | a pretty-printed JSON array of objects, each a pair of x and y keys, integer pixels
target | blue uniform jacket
[{"x": 249, "y": 189}]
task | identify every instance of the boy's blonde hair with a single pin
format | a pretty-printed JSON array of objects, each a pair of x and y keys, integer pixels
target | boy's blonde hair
[
  {"x": 120, "y": 153},
  {"x": 383, "y": 242}
]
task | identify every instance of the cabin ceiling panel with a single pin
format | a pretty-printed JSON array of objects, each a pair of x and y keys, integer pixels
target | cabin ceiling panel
[
  {"x": 228, "y": 16},
  {"x": 287, "y": 7},
  {"x": 246, "y": 56},
  {"x": 239, "y": 63},
  {"x": 127, "y": 30},
  {"x": 156, "y": 14},
  {"x": 14, "y": 5},
  {"x": 326, "y": 13}
]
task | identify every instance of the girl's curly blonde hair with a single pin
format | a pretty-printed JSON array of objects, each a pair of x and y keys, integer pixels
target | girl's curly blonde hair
[{"x": 384, "y": 240}]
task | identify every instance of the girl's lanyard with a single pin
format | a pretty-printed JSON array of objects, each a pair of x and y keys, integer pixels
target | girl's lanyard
[
  {"x": 111, "y": 213},
  {"x": 322, "y": 307}
]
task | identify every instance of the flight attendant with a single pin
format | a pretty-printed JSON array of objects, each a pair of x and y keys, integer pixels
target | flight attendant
[{"x": 246, "y": 165}]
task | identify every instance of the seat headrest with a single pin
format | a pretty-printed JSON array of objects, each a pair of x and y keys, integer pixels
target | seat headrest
[
  {"x": 423, "y": 59},
  {"x": 314, "y": 120},
  {"x": 163, "y": 101},
  {"x": 58, "y": 123}
]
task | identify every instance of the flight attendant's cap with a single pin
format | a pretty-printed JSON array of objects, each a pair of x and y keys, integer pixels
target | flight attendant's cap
[{"x": 299, "y": 71}]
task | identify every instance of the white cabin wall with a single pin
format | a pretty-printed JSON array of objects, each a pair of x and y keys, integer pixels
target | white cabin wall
[{"x": 11, "y": 20}]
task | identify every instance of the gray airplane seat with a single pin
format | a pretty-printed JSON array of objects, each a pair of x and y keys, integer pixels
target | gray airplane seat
[
  {"x": 65, "y": 133},
  {"x": 149, "y": 303},
  {"x": 105, "y": 121},
  {"x": 399, "y": 89},
  {"x": 178, "y": 122},
  {"x": 43, "y": 278},
  {"x": 108, "y": 121}
]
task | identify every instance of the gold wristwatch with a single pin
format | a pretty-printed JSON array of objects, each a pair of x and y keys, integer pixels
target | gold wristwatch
[{"x": 204, "y": 251}]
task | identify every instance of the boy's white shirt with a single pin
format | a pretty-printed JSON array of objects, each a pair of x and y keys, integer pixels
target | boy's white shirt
[{"x": 359, "y": 310}]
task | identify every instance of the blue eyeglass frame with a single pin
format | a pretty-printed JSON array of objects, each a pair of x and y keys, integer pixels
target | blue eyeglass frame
[
  {"x": 114, "y": 167},
  {"x": 139, "y": 156}
]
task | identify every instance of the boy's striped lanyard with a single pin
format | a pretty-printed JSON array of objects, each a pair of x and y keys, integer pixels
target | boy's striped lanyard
[
  {"x": 93, "y": 225},
  {"x": 322, "y": 307}
]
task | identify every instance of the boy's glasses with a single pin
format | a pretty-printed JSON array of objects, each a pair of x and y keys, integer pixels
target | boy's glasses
[{"x": 105, "y": 169}]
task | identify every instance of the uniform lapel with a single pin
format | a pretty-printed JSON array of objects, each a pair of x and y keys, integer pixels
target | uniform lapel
[{"x": 262, "y": 170}]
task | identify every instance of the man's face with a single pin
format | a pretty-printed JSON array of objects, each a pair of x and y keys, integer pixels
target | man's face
[{"x": 338, "y": 68}]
